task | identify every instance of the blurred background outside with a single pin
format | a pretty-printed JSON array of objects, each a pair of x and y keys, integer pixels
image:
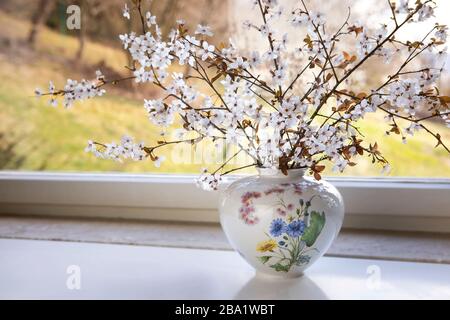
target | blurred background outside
[{"x": 35, "y": 46}]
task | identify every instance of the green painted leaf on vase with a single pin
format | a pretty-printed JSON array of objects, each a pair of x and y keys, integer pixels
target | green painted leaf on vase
[
  {"x": 312, "y": 232},
  {"x": 264, "y": 259},
  {"x": 279, "y": 267}
]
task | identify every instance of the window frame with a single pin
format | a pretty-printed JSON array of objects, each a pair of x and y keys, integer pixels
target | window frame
[{"x": 371, "y": 203}]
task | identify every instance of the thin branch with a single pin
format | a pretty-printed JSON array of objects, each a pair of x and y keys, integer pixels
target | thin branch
[
  {"x": 139, "y": 3},
  {"x": 394, "y": 16},
  {"x": 298, "y": 76},
  {"x": 227, "y": 161},
  {"x": 240, "y": 168}
]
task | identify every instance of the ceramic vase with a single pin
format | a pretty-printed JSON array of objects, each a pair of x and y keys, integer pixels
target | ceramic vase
[{"x": 281, "y": 224}]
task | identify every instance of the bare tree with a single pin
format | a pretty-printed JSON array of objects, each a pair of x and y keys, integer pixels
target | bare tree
[
  {"x": 82, "y": 31},
  {"x": 91, "y": 13},
  {"x": 40, "y": 16}
]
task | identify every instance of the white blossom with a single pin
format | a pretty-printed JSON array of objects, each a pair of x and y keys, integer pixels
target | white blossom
[
  {"x": 204, "y": 30},
  {"x": 91, "y": 147},
  {"x": 413, "y": 128},
  {"x": 247, "y": 24},
  {"x": 265, "y": 30},
  {"x": 403, "y": 6},
  {"x": 51, "y": 87},
  {"x": 208, "y": 181},
  {"x": 142, "y": 75},
  {"x": 38, "y": 92},
  {"x": 299, "y": 19},
  {"x": 270, "y": 3},
  {"x": 425, "y": 12},
  {"x": 386, "y": 169},
  {"x": 381, "y": 33},
  {"x": 239, "y": 63},
  {"x": 159, "y": 113},
  {"x": 276, "y": 13},
  {"x": 255, "y": 59},
  {"x": 270, "y": 55},
  {"x": 339, "y": 165},
  {"x": 53, "y": 102},
  {"x": 317, "y": 18},
  {"x": 126, "y": 12},
  {"x": 76, "y": 91},
  {"x": 364, "y": 45},
  {"x": 126, "y": 149},
  {"x": 207, "y": 51},
  {"x": 159, "y": 160},
  {"x": 441, "y": 34},
  {"x": 151, "y": 20},
  {"x": 284, "y": 41},
  {"x": 99, "y": 75}
]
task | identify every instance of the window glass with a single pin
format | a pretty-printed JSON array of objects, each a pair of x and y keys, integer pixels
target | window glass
[{"x": 37, "y": 46}]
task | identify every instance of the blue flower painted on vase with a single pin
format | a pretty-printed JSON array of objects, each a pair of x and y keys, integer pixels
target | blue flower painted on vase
[
  {"x": 295, "y": 228},
  {"x": 277, "y": 227},
  {"x": 291, "y": 235}
]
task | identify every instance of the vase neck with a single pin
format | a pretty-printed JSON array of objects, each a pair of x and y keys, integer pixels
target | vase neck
[{"x": 276, "y": 173}]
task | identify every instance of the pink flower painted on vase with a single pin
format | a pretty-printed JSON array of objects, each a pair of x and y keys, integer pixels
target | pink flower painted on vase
[{"x": 247, "y": 210}]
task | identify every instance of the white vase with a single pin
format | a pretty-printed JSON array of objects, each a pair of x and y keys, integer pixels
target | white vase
[{"x": 281, "y": 224}]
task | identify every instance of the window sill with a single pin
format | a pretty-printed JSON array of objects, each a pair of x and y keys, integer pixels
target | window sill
[
  {"x": 107, "y": 271},
  {"x": 351, "y": 243}
]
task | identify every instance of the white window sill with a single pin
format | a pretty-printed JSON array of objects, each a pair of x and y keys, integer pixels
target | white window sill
[{"x": 33, "y": 269}]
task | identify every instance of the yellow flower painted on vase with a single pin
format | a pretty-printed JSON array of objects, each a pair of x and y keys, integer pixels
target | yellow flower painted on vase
[{"x": 267, "y": 245}]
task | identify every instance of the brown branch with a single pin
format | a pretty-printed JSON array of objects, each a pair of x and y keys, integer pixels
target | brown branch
[
  {"x": 297, "y": 77},
  {"x": 435, "y": 135},
  {"x": 240, "y": 168},
  {"x": 139, "y": 3},
  {"x": 227, "y": 161},
  {"x": 269, "y": 38}
]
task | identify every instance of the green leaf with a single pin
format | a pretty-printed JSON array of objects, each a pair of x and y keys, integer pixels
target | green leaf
[
  {"x": 312, "y": 232},
  {"x": 279, "y": 267},
  {"x": 264, "y": 259}
]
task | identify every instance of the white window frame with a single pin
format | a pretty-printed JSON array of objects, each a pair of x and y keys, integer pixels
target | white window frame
[{"x": 389, "y": 203}]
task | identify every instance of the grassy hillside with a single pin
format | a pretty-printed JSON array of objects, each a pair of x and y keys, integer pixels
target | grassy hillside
[{"x": 35, "y": 136}]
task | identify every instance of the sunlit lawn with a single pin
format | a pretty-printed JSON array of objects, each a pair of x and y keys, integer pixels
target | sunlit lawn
[{"x": 45, "y": 138}]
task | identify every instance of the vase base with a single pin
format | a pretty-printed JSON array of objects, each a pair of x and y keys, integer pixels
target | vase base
[{"x": 268, "y": 276}]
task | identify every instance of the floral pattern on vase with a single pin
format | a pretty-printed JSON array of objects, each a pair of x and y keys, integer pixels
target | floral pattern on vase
[
  {"x": 291, "y": 237},
  {"x": 247, "y": 210},
  {"x": 292, "y": 234}
]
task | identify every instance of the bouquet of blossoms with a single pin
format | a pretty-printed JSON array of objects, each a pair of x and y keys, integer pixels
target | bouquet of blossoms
[{"x": 279, "y": 116}]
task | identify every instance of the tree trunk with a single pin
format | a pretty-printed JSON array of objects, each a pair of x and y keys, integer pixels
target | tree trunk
[
  {"x": 40, "y": 16},
  {"x": 81, "y": 35},
  {"x": 166, "y": 14}
]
